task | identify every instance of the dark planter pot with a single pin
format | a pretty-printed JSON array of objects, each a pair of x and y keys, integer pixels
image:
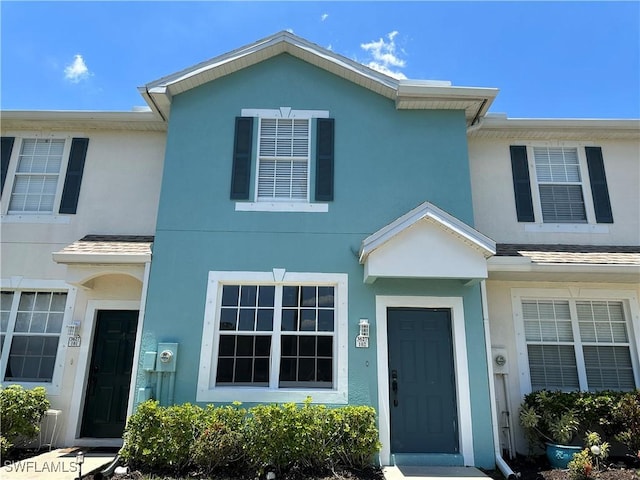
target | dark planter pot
[{"x": 560, "y": 455}]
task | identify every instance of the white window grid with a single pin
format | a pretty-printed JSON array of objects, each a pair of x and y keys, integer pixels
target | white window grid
[
  {"x": 246, "y": 315},
  {"x": 37, "y": 175},
  {"x": 35, "y": 319},
  {"x": 577, "y": 344},
  {"x": 560, "y": 185},
  {"x": 284, "y": 147}
]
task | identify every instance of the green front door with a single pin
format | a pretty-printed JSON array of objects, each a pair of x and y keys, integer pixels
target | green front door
[
  {"x": 422, "y": 386},
  {"x": 105, "y": 406}
]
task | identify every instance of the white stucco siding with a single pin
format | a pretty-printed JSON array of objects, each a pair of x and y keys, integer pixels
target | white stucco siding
[
  {"x": 504, "y": 334},
  {"x": 494, "y": 203},
  {"x": 119, "y": 195}
]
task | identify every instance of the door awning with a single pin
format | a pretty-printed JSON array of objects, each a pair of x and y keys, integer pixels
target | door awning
[
  {"x": 429, "y": 243},
  {"x": 107, "y": 249}
]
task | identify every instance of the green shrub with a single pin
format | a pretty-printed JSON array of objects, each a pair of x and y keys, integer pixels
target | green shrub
[
  {"x": 627, "y": 414},
  {"x": 547, "y": 414},
  {"x": 217, "y": 446},
  {"x": 590, "y": 459},
  {"x": 160, "y": 438},
  {"x": 271, "y": 436},
  {"x": 580, "y": 467},
  {"x": 280, "y": 437},
  {"x": 22, "y": 411},
  {"x": 221, "y": 442}
]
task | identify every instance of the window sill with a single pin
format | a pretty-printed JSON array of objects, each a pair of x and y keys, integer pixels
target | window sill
[
  {"x": 282, "y": 207},
  {"x": 565, "y": 228},
  {"x": 51, "y": 388},
  {"x": 24, "y": 218},
  {"x": 262, "y": 395}
]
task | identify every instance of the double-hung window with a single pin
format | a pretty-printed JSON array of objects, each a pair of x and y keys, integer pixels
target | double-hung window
[
  {"x": 42, "y": 176},
  {"x": 560, "y": 185},
  {"x": 288, "y": 166},
  {"x": 283, "y": 159},
  {"x": 275, "y": 340},
  {"x": 30, "y": 331},
  {"x": 576, "y": 344},
  {"x": 37, "y": 175}
]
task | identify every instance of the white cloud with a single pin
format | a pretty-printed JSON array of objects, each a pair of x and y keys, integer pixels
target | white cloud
[
  {"x": 76, "y": 70},
  {"x": 324, "y": 16},
  {"x": 384, "y": 56},
  {"x": 290, "y": 30}
]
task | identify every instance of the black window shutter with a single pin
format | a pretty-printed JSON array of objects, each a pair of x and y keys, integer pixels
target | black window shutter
[
  {"x": 73, "y": 179},
  {"x": 5, "y": 156},
  {"x": 599, "y": 190},
  {"x": 521, "y": 183},
  {"x": 241, "y": 173},
  {"x": 324, "y": 159}
]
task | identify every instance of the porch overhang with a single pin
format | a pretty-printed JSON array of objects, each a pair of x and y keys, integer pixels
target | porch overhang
[
  {"x": 566, "y": 263},
  {"x": 96, "y": 255},
  {"x": 426, "y": 243}
]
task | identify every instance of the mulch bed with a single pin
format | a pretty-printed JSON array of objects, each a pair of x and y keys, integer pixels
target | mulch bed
[
  {"x": 537, "y": 468},
  {"x": 294, "y": 474}
]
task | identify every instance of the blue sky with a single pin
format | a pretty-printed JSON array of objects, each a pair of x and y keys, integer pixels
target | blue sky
[{"x": 549, "y": 59}]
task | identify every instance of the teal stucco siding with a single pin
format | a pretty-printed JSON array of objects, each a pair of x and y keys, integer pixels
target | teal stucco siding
[{"x": 387, "y": 161}]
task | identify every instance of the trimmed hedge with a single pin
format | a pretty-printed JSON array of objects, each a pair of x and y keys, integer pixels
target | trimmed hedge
[
  {"x": 22, "y": 411},
  {"x": 185, "y": 438}
]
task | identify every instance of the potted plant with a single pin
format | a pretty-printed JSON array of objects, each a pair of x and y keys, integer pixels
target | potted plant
[{"x": 555, "y": 429}]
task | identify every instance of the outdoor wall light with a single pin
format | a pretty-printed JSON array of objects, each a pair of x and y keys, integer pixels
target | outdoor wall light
[
  {"x": 364, "y": 327},
  {"x": 79, "y": 462},
  {"x": 73, "y": 329}
]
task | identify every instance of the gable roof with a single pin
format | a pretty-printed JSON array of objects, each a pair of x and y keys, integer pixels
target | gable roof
[
  {"x": 407, "y": 94},
  {"x": 428, "y": 211}
]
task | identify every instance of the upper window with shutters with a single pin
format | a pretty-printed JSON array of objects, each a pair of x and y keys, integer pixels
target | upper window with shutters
[
  {"x": 560, "y": 185},
  {"x": 290, "y": 174},
  {"x": 42, "y": 177}
]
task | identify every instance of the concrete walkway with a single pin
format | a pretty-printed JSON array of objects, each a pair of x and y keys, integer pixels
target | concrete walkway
[
  {"x": 61, "y": 464},
  {"x": 432, "y": 473},
  {"x": 57, "y": 464}
]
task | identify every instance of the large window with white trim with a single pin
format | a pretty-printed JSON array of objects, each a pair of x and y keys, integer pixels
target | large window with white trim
[
  {"x": 578, "y": 344},
  {"x": 280, "y": 338},
  {"x": 30, "y": 329}
]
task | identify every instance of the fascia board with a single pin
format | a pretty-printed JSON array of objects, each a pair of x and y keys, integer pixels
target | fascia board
[
  {"x": 426, "y": 210},
  {"x": 506, "y": 122},
  {"x": 283, "y": 42},
  {"x": 67, "y": 115},
  {"x": 101, "y": 258},
  {"x": 81, "y": 120},
  {"x": 496, "y": 264},
  {"x": 420, "y": 90}
]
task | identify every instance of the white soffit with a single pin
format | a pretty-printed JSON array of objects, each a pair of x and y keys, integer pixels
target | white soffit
[
  {"x": 499, "y": 126},
  {"x": 408, "y": 94},
  {"x": 426, "y": 242}
]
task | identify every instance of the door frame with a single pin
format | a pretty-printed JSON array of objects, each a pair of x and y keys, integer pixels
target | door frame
[
  {"x": 82, "y": 372},
  {"x": 463, "y": 393}
]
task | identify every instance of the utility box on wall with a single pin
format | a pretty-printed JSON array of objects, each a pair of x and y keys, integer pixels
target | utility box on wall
[{"x": 167, "y": 356}]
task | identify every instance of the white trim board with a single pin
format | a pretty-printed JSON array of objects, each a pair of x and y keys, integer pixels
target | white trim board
[
  {"x": 463, "y": 392},
  {"x": 206, "y": 388},
  {"x": 76, "y": 407}
]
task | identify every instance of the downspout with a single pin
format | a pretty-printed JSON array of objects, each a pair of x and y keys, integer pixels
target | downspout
[
  {"x": 500, "y": 463},
  {"x": 138, "y": 344}
]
